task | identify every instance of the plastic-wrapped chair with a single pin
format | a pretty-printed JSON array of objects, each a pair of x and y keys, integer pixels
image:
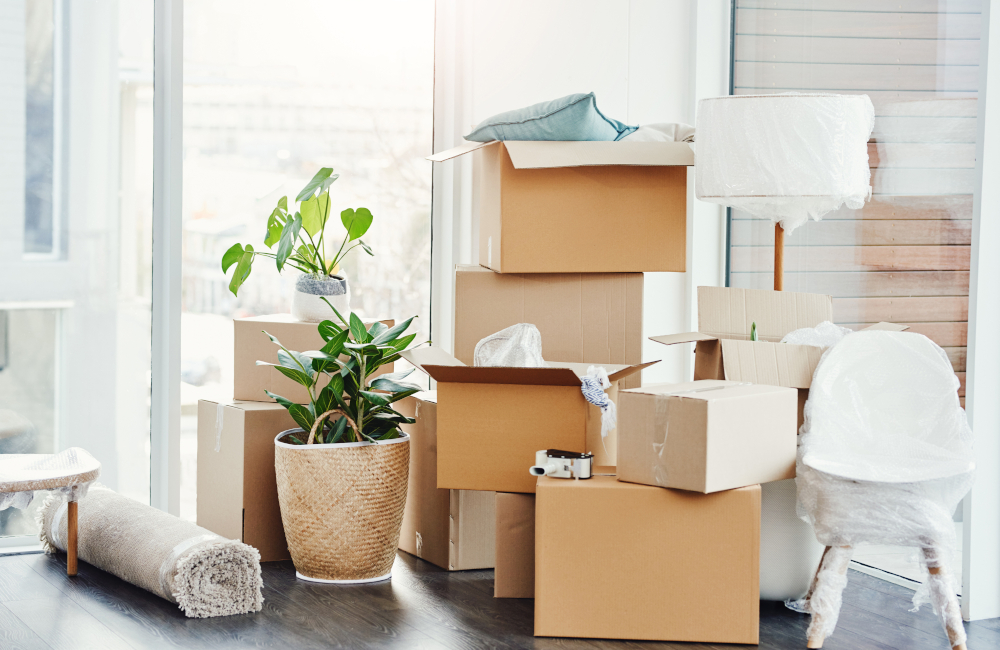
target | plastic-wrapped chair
[
  {"x": 885, "y": 457},
  {"x": 69, "y": 472}
]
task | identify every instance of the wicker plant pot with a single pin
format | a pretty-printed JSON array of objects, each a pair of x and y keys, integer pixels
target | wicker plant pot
[{"x": 342, "y": 506}]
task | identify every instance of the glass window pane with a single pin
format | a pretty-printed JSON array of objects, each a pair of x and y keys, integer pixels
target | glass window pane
[
  {"x": 39, "y": 105},
  {"x": 269, "y": 100}
]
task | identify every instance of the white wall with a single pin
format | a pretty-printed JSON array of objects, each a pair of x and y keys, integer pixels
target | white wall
[{"x": 638, "y": 56}]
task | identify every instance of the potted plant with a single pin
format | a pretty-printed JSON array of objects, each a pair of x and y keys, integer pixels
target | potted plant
[
  {"x": 300, "y": 238},
  {"x": 342, "y": 475}
]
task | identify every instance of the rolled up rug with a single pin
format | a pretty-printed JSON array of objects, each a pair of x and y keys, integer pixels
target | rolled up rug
[{"x": 205, "y": 574}]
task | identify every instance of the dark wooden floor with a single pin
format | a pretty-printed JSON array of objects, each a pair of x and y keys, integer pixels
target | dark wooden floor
[{"x": 422, "y": 607}]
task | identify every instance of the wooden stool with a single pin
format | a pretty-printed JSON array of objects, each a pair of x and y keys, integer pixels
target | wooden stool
[{"x": 67, "y": 471}]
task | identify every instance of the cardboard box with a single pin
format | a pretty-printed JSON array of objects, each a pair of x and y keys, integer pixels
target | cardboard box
[
  {"x": 581, "y": 207},
  {"x": 514, "y": 576},
  {"x": 454, "y": 529},
  {"x": 707, "y": 436},
  {"x": 252, "y": 345},
  {"x": 491, "y": 421},
  {"x": 617, "y": 560},
  {"x": 723, "y": 349},
  {"x": 237, "y": 489},
  {"x": 581, "y": 316}
]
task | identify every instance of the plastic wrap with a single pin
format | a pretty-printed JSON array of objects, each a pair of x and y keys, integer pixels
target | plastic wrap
[
  {"x": 885, "y": 454},
  {"x": 788, "y": 157},
  {"x": 517, "y": 346},
  {"x": 69, "y": 472},
  {"x": 824, "y": 335}
]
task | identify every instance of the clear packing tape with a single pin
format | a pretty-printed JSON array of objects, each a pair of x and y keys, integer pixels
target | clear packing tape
[
  {"x": 885, "y": 454},
  {"x": 788, "y": 158},
  {"x": 69, "y": 473}
]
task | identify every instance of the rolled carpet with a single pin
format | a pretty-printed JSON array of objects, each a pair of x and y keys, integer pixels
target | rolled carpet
[{"x": 205, "y": 574}]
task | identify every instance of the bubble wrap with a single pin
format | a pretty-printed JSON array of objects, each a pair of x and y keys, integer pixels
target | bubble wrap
[
  {"x": 788, "y": 158},
  {"x": 823, "y": 335},
  {"x": 518, "y": 346},
  {"x": 69, "y": 472}
]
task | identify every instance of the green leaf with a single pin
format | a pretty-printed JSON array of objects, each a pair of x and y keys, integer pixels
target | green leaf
[
  {"x": 336, "y": 389},
  {"x": 301, "y": 415},
  {"x": 366, "y": 248},
  {"x": 328, "y": 304},
  {"x": 377, "y": 328},
  {"x": 325, "y": 185},
  {"x": 358, "y": 331},
  {"x": 242, "y": 271},
  {"x": 283, "y": 203},
  {"x": 231, "y": 256},
  {"x": 335, "y": 346},
  {"x": 328, "y": 329},
  {"x": 289, "y": 235},
  {"x": 391, "y": 386},
  {"x": 400, "y": 344},
  {"x": 390, "y": 434},
  {"x": 316, "y": 181},
  {"x": 314, "y": 212},
  {"x": 357, "y": 222},
  {"x": 287, "y": 403},
  {"x": 391, "y": 333},
  {"x": 338, "y": 430},
  {"x": 275, "y": 223},
  {"x": 374, "y": 398},
  {"x": 295, "y": 375},
  {"x": 294, "y": 361},
  {"x": 397, "y": 376},
  {"x": 395, "y": 397}
]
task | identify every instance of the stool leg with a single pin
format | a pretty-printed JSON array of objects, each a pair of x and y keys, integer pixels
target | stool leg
[
  {"x": 825, "y": 599},
  {"x": 943, "y": 597},
  {"x": 71, "y": 527}
]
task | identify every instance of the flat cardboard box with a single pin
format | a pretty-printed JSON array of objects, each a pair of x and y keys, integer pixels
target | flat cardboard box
[
  {"x": 514, "y": 576},
  {"x": 707, "y": 436},
  {"x": 581, "y": 316},
  {"x": 237, "y": 489},
  {"x": 581, "y": 207},
  {"x": 454, "y": 529},
  {"x": 252, "y": 345},
  {"x": 723, "y": 349},
  {"x": 492, "y": 421},
  {"x": 617, "y": 560}
]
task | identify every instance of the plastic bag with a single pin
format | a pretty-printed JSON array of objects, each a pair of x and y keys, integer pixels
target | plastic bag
[{"x": 518, "y": 346}]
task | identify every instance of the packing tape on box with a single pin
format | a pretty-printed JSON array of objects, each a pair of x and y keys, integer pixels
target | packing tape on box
[
  {"x": 220, "y": 411},
  {"x": 662, "y": 423}
]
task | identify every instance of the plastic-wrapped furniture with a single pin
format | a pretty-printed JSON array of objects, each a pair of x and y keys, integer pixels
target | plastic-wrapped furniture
[
  {"x": 885, "y": 456},
  {"x": 69, "y": 472}
]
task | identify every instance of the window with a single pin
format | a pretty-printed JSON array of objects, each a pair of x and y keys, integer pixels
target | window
[
  {"x": 76, "y": 98},
  {"x": 272, "y": 93},
  {"x": 905, "y": 256}
]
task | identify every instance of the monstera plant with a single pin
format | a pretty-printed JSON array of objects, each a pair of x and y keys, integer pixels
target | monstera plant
[{"x": 297, "y": 238}]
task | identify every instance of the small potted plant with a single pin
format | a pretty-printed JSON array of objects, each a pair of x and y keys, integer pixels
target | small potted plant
[
  {"x": 342, "y": 475},
  {"x": 300, "y": 238}
]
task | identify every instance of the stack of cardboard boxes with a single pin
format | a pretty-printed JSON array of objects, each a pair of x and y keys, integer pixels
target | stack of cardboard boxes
[
  {"x": 667, "y": 533},
  {"x": 237, "y": 489}
]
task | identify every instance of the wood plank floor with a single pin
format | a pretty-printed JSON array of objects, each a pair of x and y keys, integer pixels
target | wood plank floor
[{"x": 422, "y": 607}]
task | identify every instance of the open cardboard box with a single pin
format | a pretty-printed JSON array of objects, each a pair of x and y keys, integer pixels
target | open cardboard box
[
  {"x": 581, "y": 316},
  {"x": 723, "y": 349},
  {"x": 492, "y": 420},
  {"x": 566, "y": 207}
]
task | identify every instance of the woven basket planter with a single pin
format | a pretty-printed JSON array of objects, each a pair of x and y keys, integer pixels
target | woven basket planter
[{"x": 342, "y": 506}]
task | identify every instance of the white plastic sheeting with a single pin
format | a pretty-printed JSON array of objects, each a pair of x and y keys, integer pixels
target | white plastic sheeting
[
  {"x": 788, "y": 158},
  {"x": 517, "y": 346},
  {"x": 824, "y": 335}
]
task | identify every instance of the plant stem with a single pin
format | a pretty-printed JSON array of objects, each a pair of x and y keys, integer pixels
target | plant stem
[
  {"x": 337, "y": 256},
  {"x": 316, "y": 256}
]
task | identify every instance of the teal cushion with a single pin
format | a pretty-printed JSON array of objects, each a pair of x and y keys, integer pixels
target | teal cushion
[{"x": 574, "y": 117}]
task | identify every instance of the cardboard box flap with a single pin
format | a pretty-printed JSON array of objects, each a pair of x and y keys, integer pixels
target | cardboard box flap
[
  {"x": 728, "y": 313},
  {"x": 687, "y": 337},
  {"x": 773, "y": 364},
  {"x": 460, "y": 150},
  {"x": 429, "y": 356},
  {"x": 541, "y": 155},
  {"x": 885, "y": 327},
  {"x": 501, "y": 375},
  {"x": 629, "y": 370},
  {"x": 615, "y": 371}
]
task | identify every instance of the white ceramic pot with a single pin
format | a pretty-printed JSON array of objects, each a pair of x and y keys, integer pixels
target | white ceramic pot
[{"x": 307, "y": 303}]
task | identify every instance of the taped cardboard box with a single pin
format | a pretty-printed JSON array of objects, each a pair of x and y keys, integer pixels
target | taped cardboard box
[
  {"x": 491, "y": 421},
  {"x": 237, "y": 489},
  {"x": 454, "y": 529},
  {"x": 707, "y": 436},
  {"x": 723, "y": 349},
  {"x": 617, "y": 560},
  {"x": 580, "y": 207},
  {"x": 514, "y": 576},
  {"x": 581, "y": 316},
  {"x": 252, "y": 345}
]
